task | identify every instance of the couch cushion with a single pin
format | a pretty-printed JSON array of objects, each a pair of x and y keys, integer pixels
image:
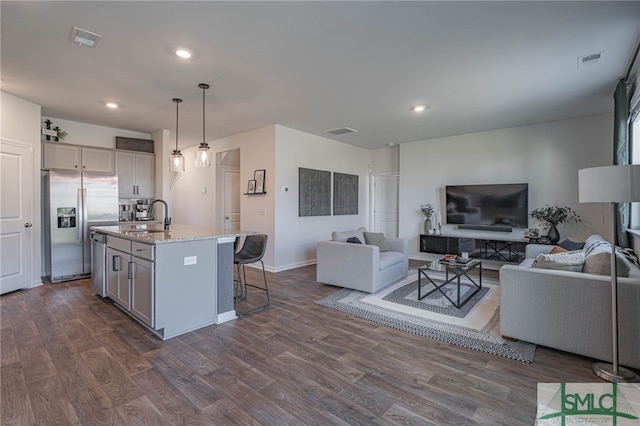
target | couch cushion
[
  {"x": 377, "y": 239},
  {"x": 389, "y": 258},
  {"x": 598, "y": 260},
  {"x": 345, "y": 235},
  {"x": 566, "y": 261}
]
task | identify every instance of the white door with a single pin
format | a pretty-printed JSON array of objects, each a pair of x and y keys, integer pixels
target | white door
[
  {"x": 16, "y": 238},
  {"x": 385, "y": 207},
  {"x": 231, "y": 199}
]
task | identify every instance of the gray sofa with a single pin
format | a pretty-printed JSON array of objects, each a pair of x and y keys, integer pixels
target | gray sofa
[
  {"x": 360, "y": 266},
  {"x": 570, "y": 310}
]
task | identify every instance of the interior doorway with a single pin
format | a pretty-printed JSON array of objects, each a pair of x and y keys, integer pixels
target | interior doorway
[
  {"x": 228, "y": 193},
  {"x": 385, "y": 204}
]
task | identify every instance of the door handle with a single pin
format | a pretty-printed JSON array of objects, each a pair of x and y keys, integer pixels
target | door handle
[
  {"x": 28, "y": 225},
  {"x": 115, "y": 263},
  {"x": 226, "y": 217}
]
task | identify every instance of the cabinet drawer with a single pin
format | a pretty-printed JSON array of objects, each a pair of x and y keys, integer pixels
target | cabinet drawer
[
  {"x": 145, "y": 251},
  {"x": 119, "y": 244}
]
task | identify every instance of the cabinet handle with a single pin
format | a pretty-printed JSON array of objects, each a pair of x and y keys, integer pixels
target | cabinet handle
[
  {"x": 84, "y": 167},
  {"x": 130, "y": 272},
  {"x": 115, "y": 263}
]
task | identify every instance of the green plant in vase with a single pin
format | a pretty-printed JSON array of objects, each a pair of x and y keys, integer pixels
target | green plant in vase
[
  {"x": 427, "y": 212},
  {"x": 552, "y": 216}
]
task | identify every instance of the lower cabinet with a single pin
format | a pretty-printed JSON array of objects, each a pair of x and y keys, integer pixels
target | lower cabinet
[
  {"x": 130, "y": 279},
  {"x": 118, "y": 277},
  {"x": 142, "y": 287}
]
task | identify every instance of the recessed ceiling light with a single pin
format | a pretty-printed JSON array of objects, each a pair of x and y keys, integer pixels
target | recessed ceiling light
[
  {"x": 184, "y": 53},
  {"x": 111, "y": 105},
  {"x": 419, "y": 108}
]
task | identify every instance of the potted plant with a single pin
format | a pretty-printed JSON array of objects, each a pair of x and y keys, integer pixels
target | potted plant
[
  {"x": 552, "y": 216},
  {"x": 427, "y": 212}
]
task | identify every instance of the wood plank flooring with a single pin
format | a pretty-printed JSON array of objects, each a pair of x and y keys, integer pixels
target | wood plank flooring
[{"x": 68, "y": 357}]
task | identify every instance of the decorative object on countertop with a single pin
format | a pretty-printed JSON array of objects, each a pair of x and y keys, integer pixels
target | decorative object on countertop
[
  {"x": 427, "y": 211},
  {"x": 176, "y": 160},
  {"x": 203, "y": 153},
  {"x": 552, "y": 216}
]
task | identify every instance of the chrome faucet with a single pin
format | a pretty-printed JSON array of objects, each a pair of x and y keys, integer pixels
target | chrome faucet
[{"x": 167, "y": 219}]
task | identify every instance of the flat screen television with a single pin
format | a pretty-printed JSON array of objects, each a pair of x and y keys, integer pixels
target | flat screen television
[{"x": 485, "y": 206}]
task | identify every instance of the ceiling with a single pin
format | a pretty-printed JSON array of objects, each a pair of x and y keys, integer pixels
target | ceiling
[{"x": 315, "y": 66}]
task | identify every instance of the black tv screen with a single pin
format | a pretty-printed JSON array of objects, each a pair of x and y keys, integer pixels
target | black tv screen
[{"x": 488, "y": 205}]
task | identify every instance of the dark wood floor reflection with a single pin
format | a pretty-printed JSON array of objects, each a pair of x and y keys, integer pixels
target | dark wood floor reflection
[{"x": 68, "y": 357}]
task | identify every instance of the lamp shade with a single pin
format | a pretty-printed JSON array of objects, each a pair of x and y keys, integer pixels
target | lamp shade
[{"x": 609, "y": 184}]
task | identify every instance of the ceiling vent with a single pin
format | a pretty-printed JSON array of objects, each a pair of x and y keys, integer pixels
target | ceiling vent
[
  {"x": 590, "y": 60},
  {"x": 84, "y": 38},
  {"x": 340, "y": 131}
]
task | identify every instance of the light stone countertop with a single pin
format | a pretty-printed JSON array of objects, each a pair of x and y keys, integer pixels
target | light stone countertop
[{"x": 155, "y": 233}]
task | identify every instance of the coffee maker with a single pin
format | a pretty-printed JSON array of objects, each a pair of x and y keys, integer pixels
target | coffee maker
[{"x": 142, "y": 210}]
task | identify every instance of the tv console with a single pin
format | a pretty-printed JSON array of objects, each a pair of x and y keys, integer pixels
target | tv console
[{"x": 506, "y": 249}]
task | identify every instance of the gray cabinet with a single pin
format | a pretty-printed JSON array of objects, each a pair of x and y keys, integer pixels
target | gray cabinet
[
  {"x": 74, "y": 157},
  {"x": 118, "y": 277},
  {"x": 130, "y": 277},
  {"x": 142, "y": 283},
  {"x": 136, "y": 174}
]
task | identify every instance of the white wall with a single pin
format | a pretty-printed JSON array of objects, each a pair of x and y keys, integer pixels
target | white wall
[
  {"x": 20, "y": 122},
  {"x": 297, "y": 236},
  {"x": 91, "y": 135},
  {"x": 546, "y": 156},
  {"x": 257, "y": 151}
]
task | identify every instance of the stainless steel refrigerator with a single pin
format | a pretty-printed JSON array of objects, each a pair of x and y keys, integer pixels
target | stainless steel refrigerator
[{"x": 74, "y": 202}]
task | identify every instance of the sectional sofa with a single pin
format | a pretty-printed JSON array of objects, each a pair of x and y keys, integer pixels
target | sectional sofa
[{"x": 570, "y": 310}]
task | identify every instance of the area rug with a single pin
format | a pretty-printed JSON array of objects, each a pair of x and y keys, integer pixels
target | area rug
[{"x": 475, "y": 326}]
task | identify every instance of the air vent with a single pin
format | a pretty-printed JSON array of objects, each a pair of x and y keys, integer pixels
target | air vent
[
  {"x": 340, "y": 131},
  {"x": 590, "y": 60},
  {"x": 84, "y": 38}
]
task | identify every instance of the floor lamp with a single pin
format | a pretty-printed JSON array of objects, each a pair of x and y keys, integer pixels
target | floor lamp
[{"x": 611, "y": 184}]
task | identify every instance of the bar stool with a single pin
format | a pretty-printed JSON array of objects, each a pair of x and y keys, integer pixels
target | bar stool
[{"x": 252, "y": 251}]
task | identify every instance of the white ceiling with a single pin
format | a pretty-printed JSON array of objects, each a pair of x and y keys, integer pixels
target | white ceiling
[{"x": 315, "y": 66}]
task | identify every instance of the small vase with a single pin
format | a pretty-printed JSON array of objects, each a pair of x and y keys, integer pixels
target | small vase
[
  {"x": 553, "y": 234},
  {"x": 427, "y": 226}
]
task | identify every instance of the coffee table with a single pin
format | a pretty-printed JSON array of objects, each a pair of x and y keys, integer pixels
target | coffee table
[{"x": 453, "y": 272}]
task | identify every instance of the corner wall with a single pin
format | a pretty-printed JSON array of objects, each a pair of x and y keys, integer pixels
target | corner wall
[
  {"x": 296, "y": 237},
  {"x": 546, "y": 156}
]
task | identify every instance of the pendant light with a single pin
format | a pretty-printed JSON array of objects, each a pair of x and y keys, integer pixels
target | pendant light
[
  {"x": 176, "y": 160},
  {"x": 203, "y": 153}
]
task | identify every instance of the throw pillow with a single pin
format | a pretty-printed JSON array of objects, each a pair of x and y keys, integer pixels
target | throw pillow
[
  {"x": 565, "y": 261},
  {"x": 571, "y": 245},
  {"x": 354, "y": 240},
  {"x": 345, "y": 235},
  {"x": 377, "y": 239},
  {"x": 558, "y": 249}
]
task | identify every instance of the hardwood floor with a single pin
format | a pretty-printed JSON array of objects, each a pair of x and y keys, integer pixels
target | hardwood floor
[{"x": 68, "y": 357}]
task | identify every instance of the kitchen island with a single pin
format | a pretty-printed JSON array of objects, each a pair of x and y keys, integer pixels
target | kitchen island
[{"x": 172, "y": 281}]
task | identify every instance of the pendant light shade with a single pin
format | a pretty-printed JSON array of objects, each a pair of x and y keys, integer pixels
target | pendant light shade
[
  {"x": 203, "y": 153},
  {"x": 176, "y": 160}
]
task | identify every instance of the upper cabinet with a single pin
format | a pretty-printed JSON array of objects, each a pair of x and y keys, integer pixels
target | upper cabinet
[
  {"x": 73, "y": 157},
  {"x": 136, "y": 174}
]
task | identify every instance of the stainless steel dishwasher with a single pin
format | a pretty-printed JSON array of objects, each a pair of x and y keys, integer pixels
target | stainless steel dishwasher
[{"x": 98, "y": 262}]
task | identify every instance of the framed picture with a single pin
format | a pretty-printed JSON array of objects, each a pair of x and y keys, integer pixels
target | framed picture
[
  {"x": 258, "y": 175},
  {"x": 252, "y": 187}
]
